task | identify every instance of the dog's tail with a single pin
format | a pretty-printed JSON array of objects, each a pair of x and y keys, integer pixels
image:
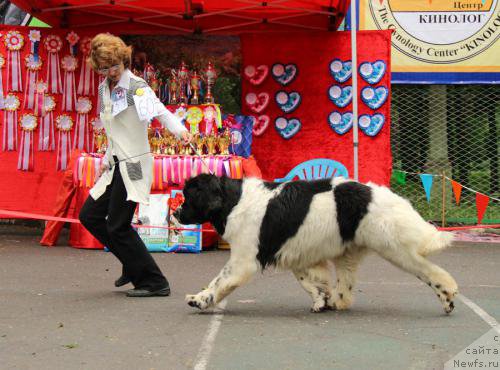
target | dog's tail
[{"x": 439, "y": 241}]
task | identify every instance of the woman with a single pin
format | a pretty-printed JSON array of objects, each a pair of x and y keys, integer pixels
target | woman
[{"x": 127, "y": 171}]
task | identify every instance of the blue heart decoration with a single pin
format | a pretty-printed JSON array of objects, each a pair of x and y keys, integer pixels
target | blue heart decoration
[
  {"x": 340, "y": 122},
  {"x": 374, "y": 97},
  {"x": 284, "y": 74},
  {"x": 340, "y": 96},
  {"x": 287, "y": 128},
  {"x": 287, "y": 102},
  {"x": 341, "y": 71},
  {"x": 372, "y": 72},
  {"x": 371, "y": 124}
]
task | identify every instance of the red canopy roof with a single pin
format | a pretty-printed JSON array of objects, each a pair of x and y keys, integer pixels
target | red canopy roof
[{"x": 189, "y": 16}]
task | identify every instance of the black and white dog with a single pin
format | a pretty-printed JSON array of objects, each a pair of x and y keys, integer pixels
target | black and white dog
[{"x": 305, "y": 225}]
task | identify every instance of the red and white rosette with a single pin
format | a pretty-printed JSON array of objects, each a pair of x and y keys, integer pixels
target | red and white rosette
[
  {"x": 28, "y": 123},
  {"x": 72, "y": 39},
  {"x": 53, "y": 44},
  {"x": 14, "y": 42},
  {"x": 81, "y": 138},
  {"x": 86, "y": 83},
  {"x": 11, "y": 106},
  {"x": 69, "y": 64},
  {"x": 2, "y": 64},
  {"x": 64, "y": 124},
  {"x": 32, "y": 67},
  {"x": 97, "y": 128},
  {"x": 46, "y": 138}
]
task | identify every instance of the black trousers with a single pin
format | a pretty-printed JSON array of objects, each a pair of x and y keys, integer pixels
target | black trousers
[{"x": 108, "y": 219}]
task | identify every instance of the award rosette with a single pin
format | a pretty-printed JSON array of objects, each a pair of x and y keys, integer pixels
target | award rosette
[
  {"x": 11, "y": 106},
  {"x": 69, "y": 64},
  {"x": 53, "y": 44},
  {"x": 46, "y": 138},
  {"x": 64, "y": 124},
  {"x": 28, "y": 123},
  {"x": 14, "y": 42},
  {"x": 33, "y": 65},
  {"x": 81, "y": 138},
  {"x": 194, "y": 116},
  {"x": 2, "y": 64},
  {"x": 86, "y": 83},
  {"x": 99, "y": 137}
]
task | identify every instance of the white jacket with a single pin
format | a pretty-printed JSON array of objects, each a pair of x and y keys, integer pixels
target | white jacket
[{"x": 128, "y": 139}]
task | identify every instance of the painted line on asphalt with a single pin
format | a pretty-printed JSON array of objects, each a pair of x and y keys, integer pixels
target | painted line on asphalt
[
  {"x": 207, "y": 344},
  {"x": 480, "y": 312}
]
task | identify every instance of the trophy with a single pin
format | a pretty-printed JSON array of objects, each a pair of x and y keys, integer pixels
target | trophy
[
  {"x": 101, "y": 142},
  {"x": 211, "y": 140},
  {"x": 209, "y": 75},
  {"x": 183, "y": 75},
  {"x": 223, "y": 142},
  {"x": 173, "y": 87},
  {"x": 199, "y": 142},
  {"x": 195, "y": 87}
]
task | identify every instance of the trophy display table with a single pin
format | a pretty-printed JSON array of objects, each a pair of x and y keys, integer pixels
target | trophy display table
[{"x": 169, "y": 173}]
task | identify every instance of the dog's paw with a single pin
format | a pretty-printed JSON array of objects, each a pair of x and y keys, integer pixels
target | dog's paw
[
  {"x": 339, "y": 301},
  {"x": 318, "y": 308},
  {"x": 446, "y": 297},
  {"x": 200, "y": 300}
]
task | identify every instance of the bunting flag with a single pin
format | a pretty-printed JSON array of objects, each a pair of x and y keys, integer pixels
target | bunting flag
[
  {"x": 400, "y": 177},
  {"x": 481, "y": 205},
  {"x": 427, "y": 180},
  {"x": 457, "y": 190}
]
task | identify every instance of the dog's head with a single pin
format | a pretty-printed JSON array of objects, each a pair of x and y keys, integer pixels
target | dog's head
[{"x": 202, "y": 200}]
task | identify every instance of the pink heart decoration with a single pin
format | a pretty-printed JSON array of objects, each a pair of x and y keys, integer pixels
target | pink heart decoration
[
  {"x": 260, "y": 124},
  {"x": 257, "y": 103},
  {"x": 256, "y": 75}
]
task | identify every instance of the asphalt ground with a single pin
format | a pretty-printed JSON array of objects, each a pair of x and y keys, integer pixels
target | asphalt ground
[{"x": 60, "y": 310}]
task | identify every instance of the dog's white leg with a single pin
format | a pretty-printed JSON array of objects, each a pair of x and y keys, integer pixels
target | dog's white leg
[
  {"x": 235, "y": 273},
  {"x": 346, "y": 266},
  {"x": 317, "y": 281},
  {"x": 437, "y": 278}
]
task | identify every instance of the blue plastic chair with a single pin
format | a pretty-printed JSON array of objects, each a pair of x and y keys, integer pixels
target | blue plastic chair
[{"x": 319, "y": 168}]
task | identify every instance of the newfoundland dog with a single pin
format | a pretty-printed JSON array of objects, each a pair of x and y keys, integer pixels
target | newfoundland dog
[{"x": 304, "y": 226}]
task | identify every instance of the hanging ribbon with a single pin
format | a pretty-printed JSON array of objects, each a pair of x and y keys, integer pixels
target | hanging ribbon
[
  {"x": 14, "y": 42},
  {"x": 81, "y": 138},
  {"x": 46, "y": 139},
  {"x": 72, "y": 39},
  {"x": 11, "y": 106},
  {"x": 98, "y": 135},
  {"x": 53, "y": 44},
  {"x": 2, "y": 64},
  {"x": 64, "y": 124},
  {"x": 35, "y": 36},
  {"x": 32, "y": 67},
  {"x": 86, "y": 84},
  {"x": 28, "y": 124},
  {"x": 69, "y": 64}
]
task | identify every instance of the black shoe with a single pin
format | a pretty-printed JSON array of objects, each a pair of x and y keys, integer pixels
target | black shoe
[
  {"x": 121, "y": 281},
  {"x": 163, "y": 292}
]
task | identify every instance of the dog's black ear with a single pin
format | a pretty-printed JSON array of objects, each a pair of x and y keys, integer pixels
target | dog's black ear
[{"x": 215, "y": 188}]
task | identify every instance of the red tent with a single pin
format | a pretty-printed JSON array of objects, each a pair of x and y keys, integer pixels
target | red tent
[{"x": 189, "y": 16}]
